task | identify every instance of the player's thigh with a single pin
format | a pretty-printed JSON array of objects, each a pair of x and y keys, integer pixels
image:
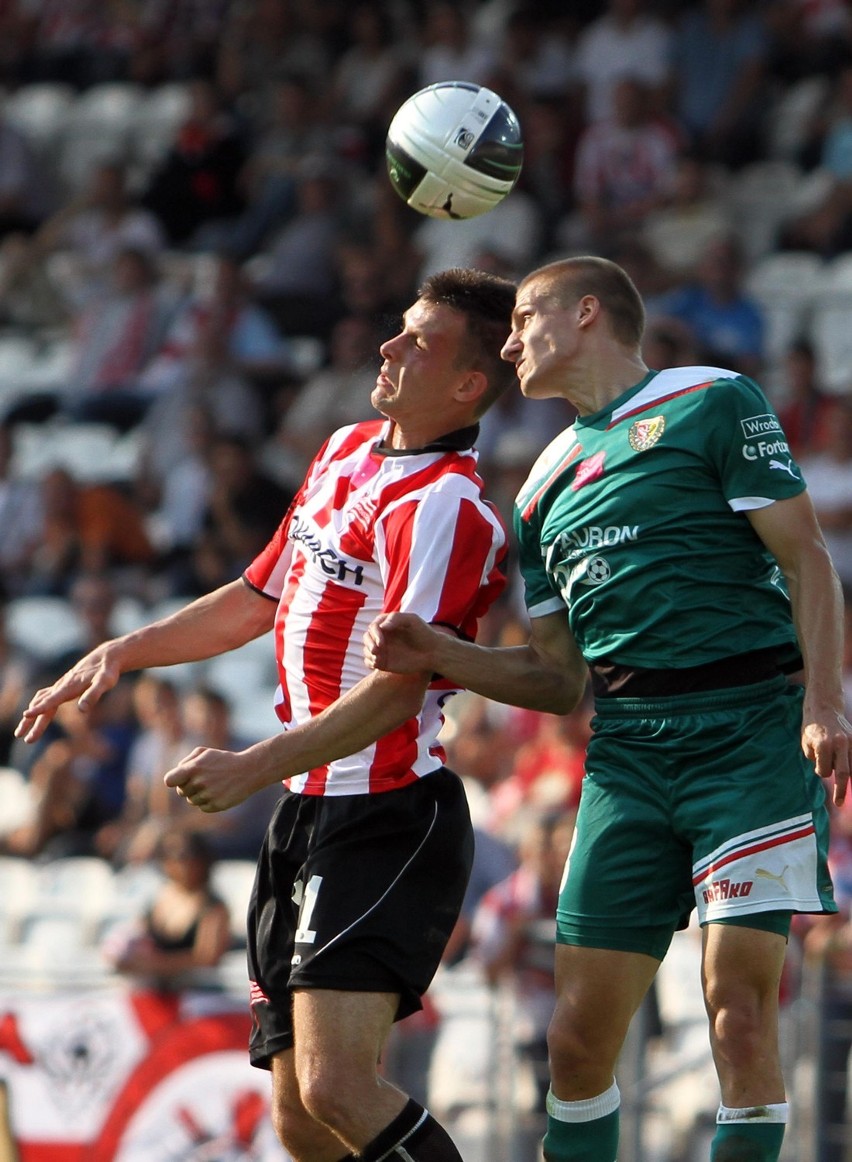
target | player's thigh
[
  {"x": 742, "y": 967},
  {"x": 598, "y": 991},
  {"x": 341, "y": 1032},
  {"x": 628, "y": 883}
]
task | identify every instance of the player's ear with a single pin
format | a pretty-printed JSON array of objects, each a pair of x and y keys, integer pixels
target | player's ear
[
  {"x": 472, "y": 387},
  {"x": 588, "y": 308}
]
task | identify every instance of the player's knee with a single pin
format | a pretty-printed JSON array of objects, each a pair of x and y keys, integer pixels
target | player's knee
[
  {"x": 741, "y": 1022},
  {"x": 293, "y": 1125},
  {"x": 325, "y": 1098}
]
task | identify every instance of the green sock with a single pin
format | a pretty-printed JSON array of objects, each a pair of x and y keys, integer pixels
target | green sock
[
  {"x": 749, "y": 1135},
  {"x": 582, "y": 1131}
]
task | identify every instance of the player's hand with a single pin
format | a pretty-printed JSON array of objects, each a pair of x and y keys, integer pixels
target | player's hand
[
  {"x": 212, "y": 780},
  {"x": 827, "y": 742},
  {"x": 87, "y": 682},
  {"x": 401, "y": 643}
]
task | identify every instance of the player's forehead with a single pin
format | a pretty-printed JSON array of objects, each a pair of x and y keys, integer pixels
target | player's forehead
[
  {"x": 436, "y": 319},
  {"x": 536, "y": 294}
]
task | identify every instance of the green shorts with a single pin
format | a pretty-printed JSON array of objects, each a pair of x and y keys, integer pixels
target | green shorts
[{"x": 702, "y": 801}]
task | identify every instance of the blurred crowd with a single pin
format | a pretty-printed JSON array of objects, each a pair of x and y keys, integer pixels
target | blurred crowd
[{"x": 218, "y": 283}]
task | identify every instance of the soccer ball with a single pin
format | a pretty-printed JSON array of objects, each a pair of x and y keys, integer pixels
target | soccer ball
[{"x": 454, "y": 150}]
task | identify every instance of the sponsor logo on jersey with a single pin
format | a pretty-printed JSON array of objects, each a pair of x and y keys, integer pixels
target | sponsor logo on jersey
[
  {"x": 589, "y": 470},
  {"x": 764, "y": 449},
  {"x": 779, "y": 466},
  {"x": 331, "y": 563},
  {"x": 727, "y": 890},
  {"x": 644, "y": 434},
  {"x": 596, "y": 572},
  {"x": 763, "y": 425}
]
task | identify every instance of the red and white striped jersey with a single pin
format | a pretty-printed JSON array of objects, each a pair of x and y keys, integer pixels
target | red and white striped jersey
[{"x": 374, "y": 530}]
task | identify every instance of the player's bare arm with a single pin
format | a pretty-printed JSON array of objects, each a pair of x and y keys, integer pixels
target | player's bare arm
[
  {"x": 791, "y": 532},
  {"x": 548, "y": 673},
  {"x": 215, "y": 623},
  {"x": 216, "y": 780}
]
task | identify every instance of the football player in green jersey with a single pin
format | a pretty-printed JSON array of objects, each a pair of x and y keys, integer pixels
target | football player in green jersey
[{"x": 669, "y": 548}]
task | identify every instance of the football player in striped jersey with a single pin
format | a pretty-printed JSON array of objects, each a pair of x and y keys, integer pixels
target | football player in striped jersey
[{"x": 366, "y": 859}]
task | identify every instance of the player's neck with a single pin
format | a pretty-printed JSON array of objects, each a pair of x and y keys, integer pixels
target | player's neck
[{"x": 595, "y": 388}]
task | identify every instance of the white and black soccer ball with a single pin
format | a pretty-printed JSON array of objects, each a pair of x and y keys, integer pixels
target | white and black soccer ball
[{"x": 454, "y": 150}]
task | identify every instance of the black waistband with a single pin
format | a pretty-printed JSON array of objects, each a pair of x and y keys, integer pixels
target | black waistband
[{"x": 610, "y": 679}]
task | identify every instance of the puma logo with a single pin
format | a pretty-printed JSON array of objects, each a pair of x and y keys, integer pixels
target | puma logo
[{"x": 763, "y": 874}]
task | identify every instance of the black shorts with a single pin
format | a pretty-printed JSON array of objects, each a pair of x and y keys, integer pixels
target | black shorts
[{"x": 358, "y": 893}]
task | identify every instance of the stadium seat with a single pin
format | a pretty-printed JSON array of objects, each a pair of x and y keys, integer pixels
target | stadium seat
[
  {"x": 786, "y": 285},
  {"x": 79, "y": 887},
  {"x": 232, "y": 879},
  {"x": 791, "y": 117},
  {"x": 16, "y": 800},
  {"x": 18, "y": 890},
  {"x": 98, "y": 129},
  {"x": 43, "y": 626},
  {"x": 760, "y": 197},
  {"x": 40, "y": 111}
]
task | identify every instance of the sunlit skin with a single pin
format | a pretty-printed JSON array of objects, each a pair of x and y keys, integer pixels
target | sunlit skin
[
  {"x": 567, "y": 352},
  {"x": 422, "y": 384}
]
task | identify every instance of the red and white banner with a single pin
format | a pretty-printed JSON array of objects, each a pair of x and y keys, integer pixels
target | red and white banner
[{"x": 119, "y": 1076}]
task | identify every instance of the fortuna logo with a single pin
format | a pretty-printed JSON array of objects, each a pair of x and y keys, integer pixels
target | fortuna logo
[
  {"x": 589, "y": 470},
  {"x": 788, "y": 467},
  {"x": 644, "y": 434},
  {"x": 727, "y": 890}
]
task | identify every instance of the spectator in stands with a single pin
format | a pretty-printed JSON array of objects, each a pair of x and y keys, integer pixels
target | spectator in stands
[
  {"x": 287, "y": 128},
  {"x": 719, "y": 55},
  {"x": 114, "y": 334},
  {"x": 296, "y": 281},
  {"x": 21, "y": 517},
  {"x": 727, "y": 324},
  {"x": 829, "y": 476},
  {"x": 244, "y": 507},
  {"x": 148, "y": 808},
  {"x": 514, "y": 928},
  {"x": 627, "y": 40},
  {"x": 535, "y": 59},
  {"x": 336, "y": 394},
  {"x": 89, "y": 232},
  {"x": 86, "y": 528},
  {"x": 26, "y": 196},
  {"x": 16, "y": 671},
  {"x": 198, "y": 180},
  {"x": 828, "y": 948},
  {"x": 624, "y": 169},
  {"x": 804, "y": 409},
  {"x": 678, "y": 232},
  {"x": 450, "y": 48},
  {"x": 78, "y": 780},
  {"x": 369, "y": 80},
  {"x": 825, "y": 225},
  {"x": 219, "y": 327},
  {"x": 186, "y": 928}
]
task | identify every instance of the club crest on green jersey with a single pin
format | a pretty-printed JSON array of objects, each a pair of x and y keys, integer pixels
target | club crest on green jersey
[{"x": 644, "y": 434}]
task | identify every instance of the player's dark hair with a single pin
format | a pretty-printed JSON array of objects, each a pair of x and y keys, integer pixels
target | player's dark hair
[
  {"x": 486, "y": 302},
  {"x": 571, "y": 278}
]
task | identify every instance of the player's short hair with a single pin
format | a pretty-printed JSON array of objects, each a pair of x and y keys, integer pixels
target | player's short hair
[
  {"x": 570, "y": 278},
  {"x": 486, "y": 302}
]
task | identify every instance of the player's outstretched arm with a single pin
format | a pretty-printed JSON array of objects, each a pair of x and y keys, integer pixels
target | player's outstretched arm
[
  {"x": 791, "y": 532},
  {"x": 217, "y": 622},
  {"x": 215, "y": 780},
  {"x": 548, "y": 673}
]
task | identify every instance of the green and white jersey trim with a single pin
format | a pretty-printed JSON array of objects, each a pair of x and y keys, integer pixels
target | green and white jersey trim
[{"x": 634, "y": 519}]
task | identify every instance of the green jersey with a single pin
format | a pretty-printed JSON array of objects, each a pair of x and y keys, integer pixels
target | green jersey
[{"x": 634, "y": 518}]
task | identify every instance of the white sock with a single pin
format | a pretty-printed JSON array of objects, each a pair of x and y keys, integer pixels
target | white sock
[
  {"x": 756, "y": 1115},
  {"x": 586, "y": 1110}
]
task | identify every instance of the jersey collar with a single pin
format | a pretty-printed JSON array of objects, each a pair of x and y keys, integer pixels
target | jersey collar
[{"x": 460, "y": 440}]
